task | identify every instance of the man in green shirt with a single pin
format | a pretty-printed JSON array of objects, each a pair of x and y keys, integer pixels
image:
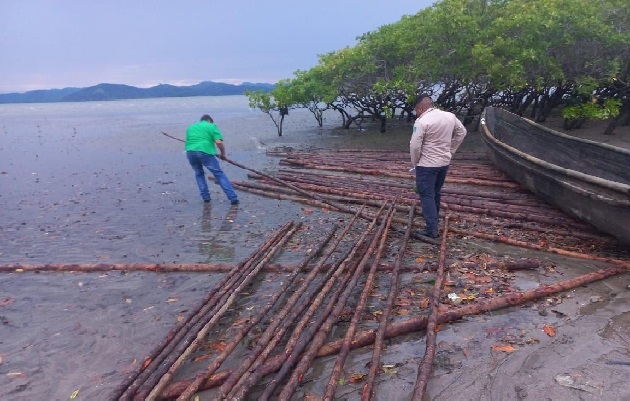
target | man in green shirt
[{"x": 202, "y": 139}]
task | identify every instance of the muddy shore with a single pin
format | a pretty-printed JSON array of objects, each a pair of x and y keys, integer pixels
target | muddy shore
[{"x": 68, "y": 332}]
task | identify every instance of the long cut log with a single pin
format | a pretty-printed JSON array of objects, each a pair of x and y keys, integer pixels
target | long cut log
[
  {"x": 289, "y": 313},
  {"x": 368, "y": 389},
  {"x": 326, "y": 327},
  {"x": 294, "y": 346},
  {"x": 331, "y": 387},
  {"x": 426, "y": 366},
  {"x": 316, "y": 197},
  {"x": 168, "y": 368},
  {"x": 216, "y": 363},
  {"x": 134, "y": 379}
]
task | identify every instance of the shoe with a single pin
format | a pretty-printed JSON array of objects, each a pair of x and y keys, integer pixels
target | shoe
[
  {"x": 234, "y": 202},
  {"x": 426, "y": 233}
]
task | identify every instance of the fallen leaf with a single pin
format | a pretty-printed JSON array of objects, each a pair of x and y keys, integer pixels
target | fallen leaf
[
  {"x": 504, "y": 348},
  {"x": 240, "y": 321},
  {"x": 146, "y": 363},
  {"x": 74, "y": 394},
  {"x": 389, "y": 371},
  {"x": 377, "y": 313},
  {"x": 357, "y": 377},
  {"x": 549, "y": 330},
  {"x": 470, "y": 296},
  {"x": 342, "y": 381},
  {"x": 420, "y": 260},
  {"x": 220, "y": 346},
  {"x": 180, "y": 318},
  {"x": 466, "y": 353},
  {"x": 6, "y": 301},
  {"x": 402, "y": 312},
  {"x": 403, "y": 302},
  {"x": 424, "y": 303},
  {"x": 202, "y": 357},
  {"x": 172, "y": 300}
]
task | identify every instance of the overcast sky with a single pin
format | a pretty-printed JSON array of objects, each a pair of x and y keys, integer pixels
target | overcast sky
[{"x": 60, "y": 43}]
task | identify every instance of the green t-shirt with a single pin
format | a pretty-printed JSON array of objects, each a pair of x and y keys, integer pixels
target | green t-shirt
[{"x": 201, "y": 136}]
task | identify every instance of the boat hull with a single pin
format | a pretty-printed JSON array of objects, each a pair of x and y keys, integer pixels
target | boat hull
[{"x": 602, "y": 203}]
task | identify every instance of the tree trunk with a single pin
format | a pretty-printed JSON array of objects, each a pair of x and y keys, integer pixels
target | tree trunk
[
  {"x": 383, "y": 120},
  {"x": 280, "y": 125},
  {"x": 624, "y": 116}
]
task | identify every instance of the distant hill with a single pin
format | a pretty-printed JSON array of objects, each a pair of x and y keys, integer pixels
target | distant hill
[
  {"x": 38, "y": 96},
  {"x": 117, "y": 92}
]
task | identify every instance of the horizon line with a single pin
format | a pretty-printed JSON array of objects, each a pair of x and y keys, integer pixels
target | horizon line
[{"x": 144, "y": 86}]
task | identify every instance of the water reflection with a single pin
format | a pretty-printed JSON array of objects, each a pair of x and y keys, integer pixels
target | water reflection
[{"x": 218, "y": 245}]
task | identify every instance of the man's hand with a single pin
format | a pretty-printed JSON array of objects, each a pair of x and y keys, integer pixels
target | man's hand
[{"x": 221, "y": 147}]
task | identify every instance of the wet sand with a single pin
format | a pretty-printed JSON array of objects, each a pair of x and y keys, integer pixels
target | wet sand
[{"x": 119, "y": 198}]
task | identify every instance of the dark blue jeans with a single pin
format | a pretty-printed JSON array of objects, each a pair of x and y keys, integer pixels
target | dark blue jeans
[
  {"x": 200, "y": 159},
  {"x": 429, "y": 181}
]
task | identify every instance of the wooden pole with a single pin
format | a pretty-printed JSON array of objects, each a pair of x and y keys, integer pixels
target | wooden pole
[
  {"x": 168, "y": 368},
  {"x": 331, "y": 387},
  {"x": 135, "y": 378},
  {"x": 426, "y": 366},
  {"x": 368, "y": 388},
  {"x": 289, "y": 313},
  {"x": 320, "y": 337},
  {"x": 216, "y": 363},
  {"x": 299, "y": 341}
]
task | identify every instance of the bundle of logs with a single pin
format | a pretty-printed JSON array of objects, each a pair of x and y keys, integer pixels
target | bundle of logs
[
  {"x": 295, "y": 323},
  {"x": 482, "y": 201},
  {"x": 321, "y": 291}
]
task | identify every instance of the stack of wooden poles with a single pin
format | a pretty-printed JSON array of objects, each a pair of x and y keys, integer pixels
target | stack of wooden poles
[{"x": 482, "y": 201}]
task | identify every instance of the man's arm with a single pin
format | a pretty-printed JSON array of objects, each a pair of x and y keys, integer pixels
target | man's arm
[
  {"x": 459, "y": 132},
  {"x": 221, "y": 147},
  {"x": 415, "y": 144}
]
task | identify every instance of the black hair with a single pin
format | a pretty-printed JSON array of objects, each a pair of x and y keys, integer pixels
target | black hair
[
  {"x": 421, "y": 97},
  {"x": 206, "y": 117}
]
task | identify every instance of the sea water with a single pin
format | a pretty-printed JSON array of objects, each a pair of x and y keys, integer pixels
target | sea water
[{"x": 97, "y": 181}]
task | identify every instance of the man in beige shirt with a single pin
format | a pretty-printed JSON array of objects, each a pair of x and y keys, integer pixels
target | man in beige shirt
[{"x": 436, "y": 136}]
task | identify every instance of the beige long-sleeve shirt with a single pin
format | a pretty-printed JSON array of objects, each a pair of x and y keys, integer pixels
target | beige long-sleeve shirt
[{"x": 436, "y": 136}]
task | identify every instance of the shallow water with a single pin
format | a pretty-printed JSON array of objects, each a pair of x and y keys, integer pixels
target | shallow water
[
  {"x": 97, "y": 182},
  {"x": 89, "y": 182}
]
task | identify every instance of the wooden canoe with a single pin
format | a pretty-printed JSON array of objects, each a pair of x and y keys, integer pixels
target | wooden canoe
[{"x": 586, "y": 179}]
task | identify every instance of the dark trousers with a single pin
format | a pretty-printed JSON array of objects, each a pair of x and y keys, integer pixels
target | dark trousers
[
  {"x": 197, "y": 161},
  {"x": 429, "y": 182}
]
